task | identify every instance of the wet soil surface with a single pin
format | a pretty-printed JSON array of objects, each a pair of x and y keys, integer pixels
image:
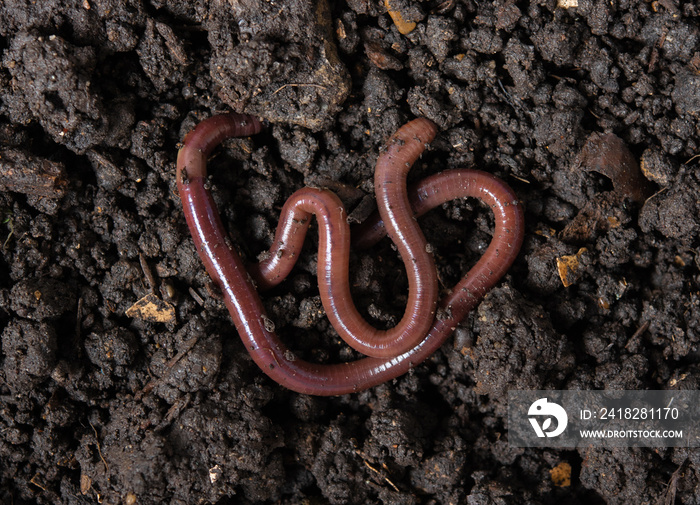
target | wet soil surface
[{"x": 591, "y": 113}]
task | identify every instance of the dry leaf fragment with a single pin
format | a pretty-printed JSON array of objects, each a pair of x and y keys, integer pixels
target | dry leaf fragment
[
  {"x": 152, "y": 309},
  {"x": 607, "y": 154},
  {"x": 85, "y": 483},
  {"x": 24, "y": 173},
  {"x": 405, "y": 27},
  {"x": 569, "y": 267}
]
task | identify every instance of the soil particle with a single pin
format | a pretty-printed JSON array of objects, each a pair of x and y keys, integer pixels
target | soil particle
[
  {"x": 657, "y": 167},
  {"x": 297, "y": 149},
  {"x": 195, "y": 371},
  {"x": 113, "y": 24},
  {"x": 266, "y": 67},
  {"x": 30, "y": 354},
  {"x": 41, "y": 298},
  {"x": 401, "y": 436},
  {"x": 162, "y": 55},
  {"x": 439, "y": 33},
  {"x": 674, "y": 212},
  {"x": 21, "y": 172},
  {"x": 606, "y": 469},
  {"x": 111, "y": 351},
  {"x": 523, "y": 337},
  {"x": 674, "y": 331},
  {"x": 51, "y": 83},
  {"x": 542, "y": 275},
  {"x": 686, "y": 93},
  {"x": 442, "y": 473},
  {"x": 96, "y": 406},
  {"x": 557, "y": 41}
]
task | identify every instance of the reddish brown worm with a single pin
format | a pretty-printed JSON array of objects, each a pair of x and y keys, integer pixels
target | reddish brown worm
[{"x": 420, "y": 332}]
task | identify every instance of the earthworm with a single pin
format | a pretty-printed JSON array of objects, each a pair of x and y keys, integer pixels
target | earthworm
[
  {"x": 334, "y": 263},
  {"x": 238, "y": 283}
]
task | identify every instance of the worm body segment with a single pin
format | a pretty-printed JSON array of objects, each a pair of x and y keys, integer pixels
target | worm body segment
[{"x": 420, "y": 332}]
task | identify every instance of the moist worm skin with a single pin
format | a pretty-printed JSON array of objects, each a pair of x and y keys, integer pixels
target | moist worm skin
[
  {"x": 227, "y": 269},
  {"x": 334, "y": 250}
]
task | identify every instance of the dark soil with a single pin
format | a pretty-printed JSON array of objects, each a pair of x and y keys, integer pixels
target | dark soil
[{"x": 98, "y": 406}]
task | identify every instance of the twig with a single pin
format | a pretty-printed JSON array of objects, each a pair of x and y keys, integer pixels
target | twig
[
  {"x": 147, "y": 273},
  {"x": 99, "y": 451},
  {"x": 386, "y": 479},
  {"x": 632, "y": 342},
  {"x": 154, "y": 382},
  {"x": 299, "y": 85}
]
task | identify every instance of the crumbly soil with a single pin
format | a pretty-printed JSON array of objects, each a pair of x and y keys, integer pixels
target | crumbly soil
[{"x": 163, "y": 405}]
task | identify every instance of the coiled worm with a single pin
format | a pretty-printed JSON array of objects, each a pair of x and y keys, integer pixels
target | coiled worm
[{"x": 421, "y": 331}]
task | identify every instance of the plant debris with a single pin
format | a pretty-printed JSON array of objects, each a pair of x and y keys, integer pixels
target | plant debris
[{"x": 95, "y": 97}]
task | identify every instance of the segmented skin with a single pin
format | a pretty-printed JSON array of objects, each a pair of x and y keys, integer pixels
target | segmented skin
[{"x": 420, "y": 332}]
